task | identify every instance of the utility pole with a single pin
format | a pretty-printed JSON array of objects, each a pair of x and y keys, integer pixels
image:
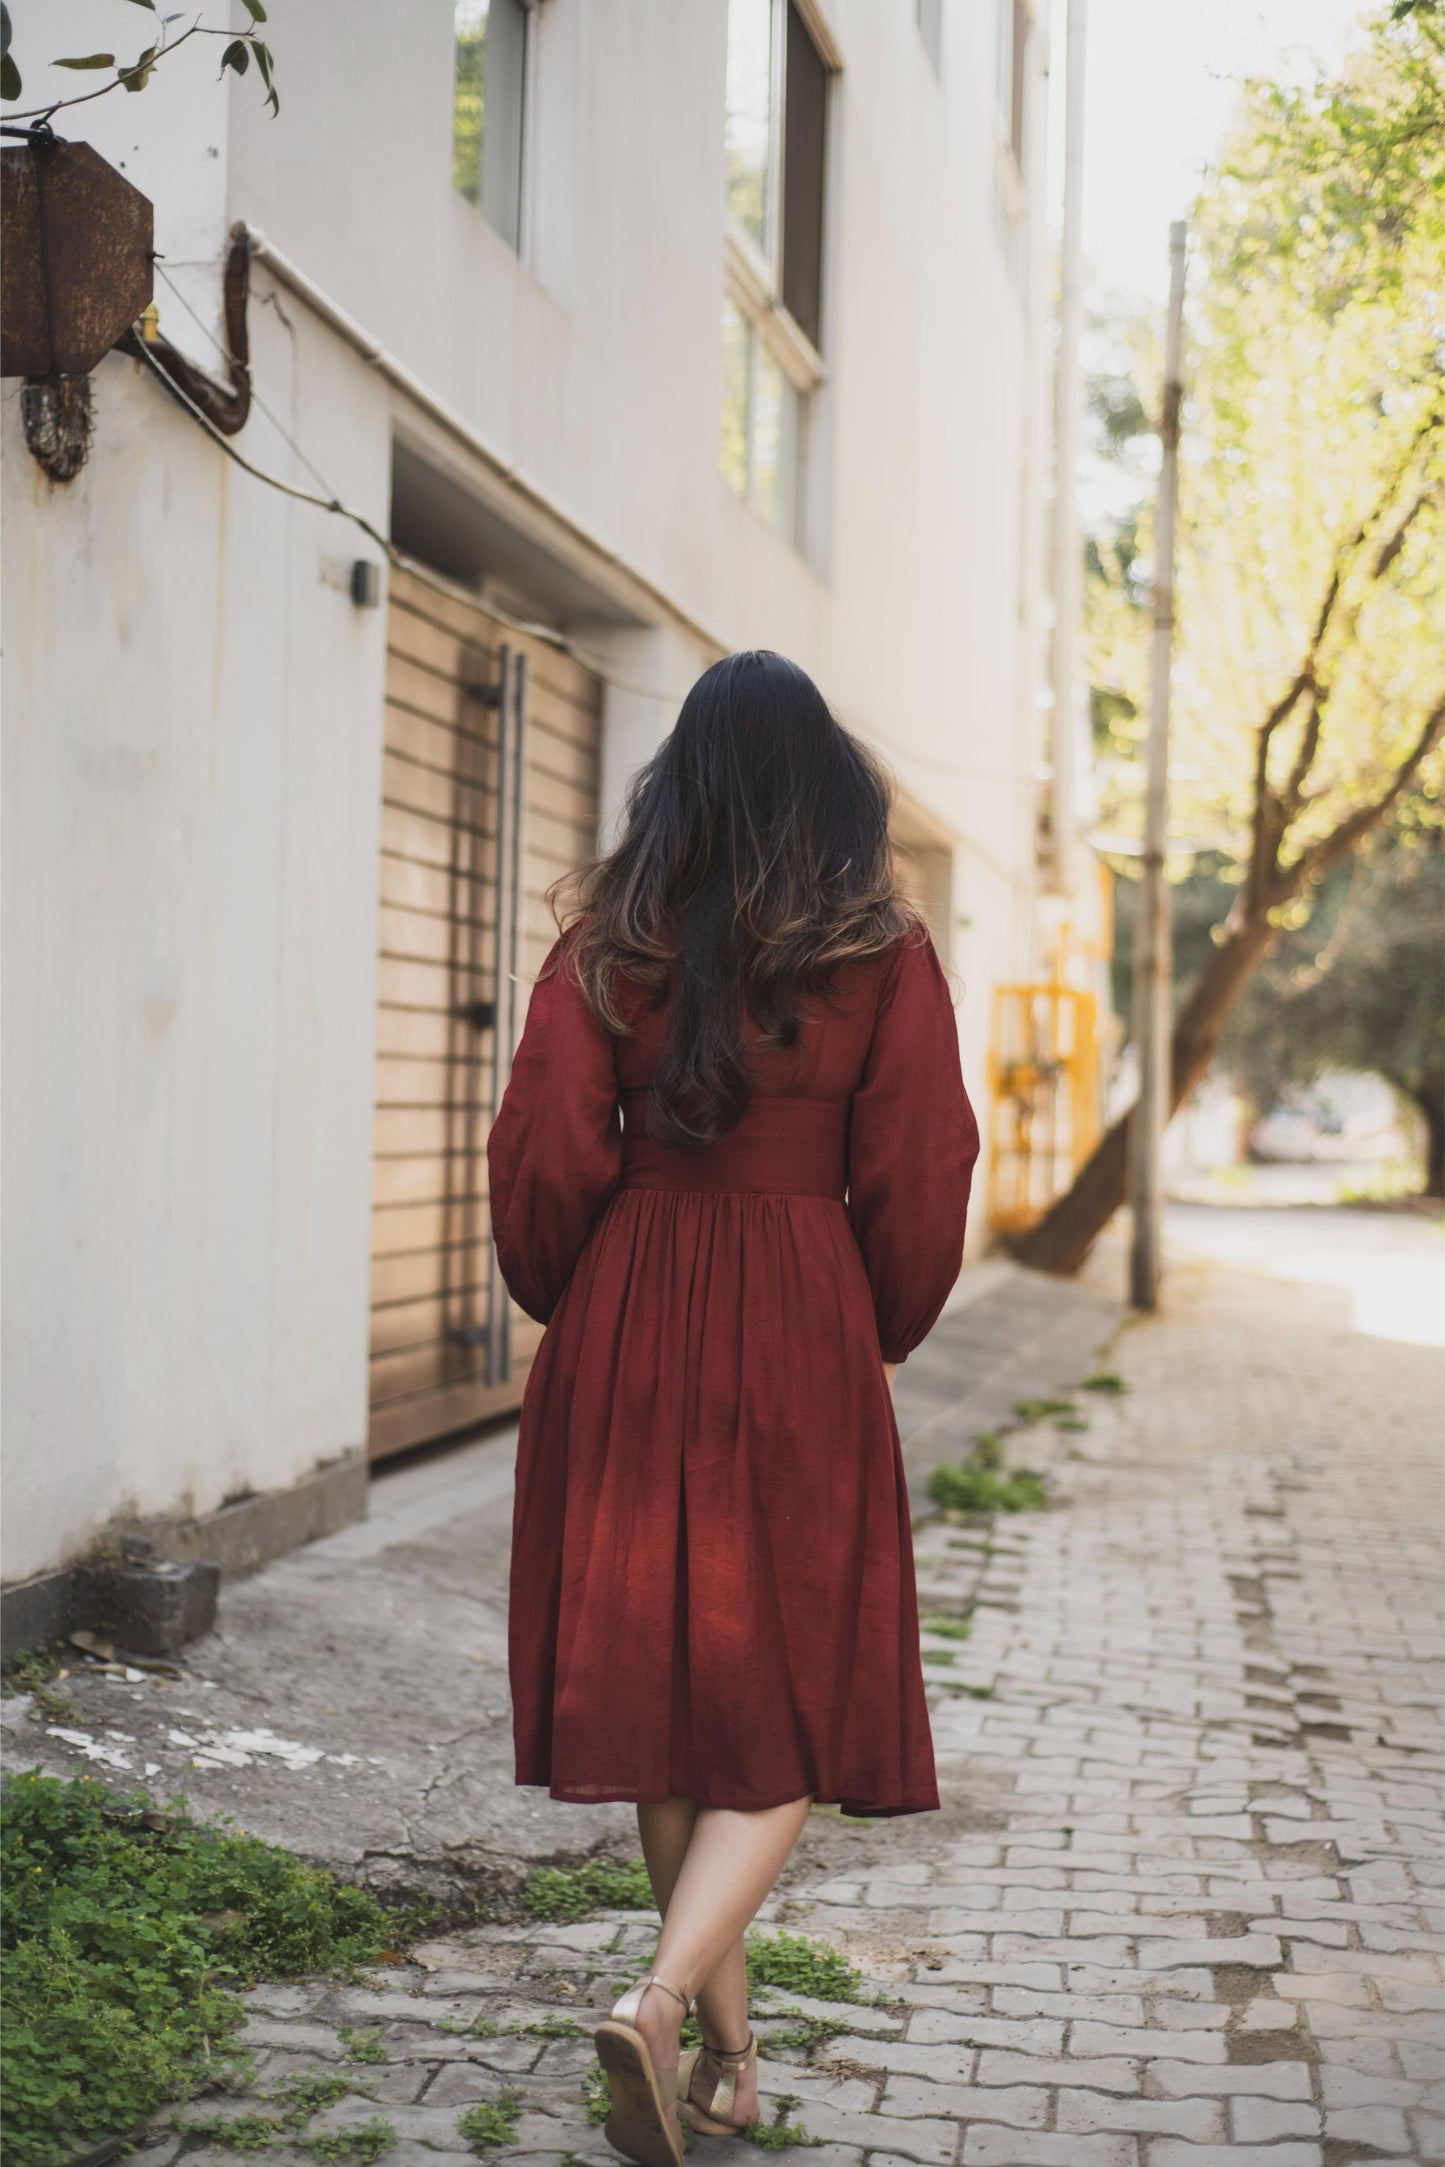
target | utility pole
[
  {"x": 1153, "y": 1008},
  {"x": 1067, "y": 552}
]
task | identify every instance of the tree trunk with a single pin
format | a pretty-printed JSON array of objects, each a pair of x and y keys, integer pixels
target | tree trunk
[
  {"x": 1064, "y": 1236},
  {"x": 1429, "y": 1096}
]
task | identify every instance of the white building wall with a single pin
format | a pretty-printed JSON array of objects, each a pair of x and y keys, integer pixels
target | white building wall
[
  {"x": 194, "y": 704},
  {"x": 191, "y": 789}
]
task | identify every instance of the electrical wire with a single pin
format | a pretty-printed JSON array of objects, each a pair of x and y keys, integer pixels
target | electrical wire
[
  {"x": 272, "y": 481},
  {"x": 231, "y": 362},
  {"x": 549, "y": 634}
]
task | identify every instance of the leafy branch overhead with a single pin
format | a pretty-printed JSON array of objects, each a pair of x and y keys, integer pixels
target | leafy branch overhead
[{"x": 240, "y": 50}]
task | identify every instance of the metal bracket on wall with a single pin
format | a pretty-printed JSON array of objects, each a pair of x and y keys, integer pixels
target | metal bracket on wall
[{"x": 511, "y": 801}]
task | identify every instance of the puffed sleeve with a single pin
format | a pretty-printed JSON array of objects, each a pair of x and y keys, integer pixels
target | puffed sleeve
[
  {"x": 555, "y": 1150},
  {"x": 912, "y": 1145}
]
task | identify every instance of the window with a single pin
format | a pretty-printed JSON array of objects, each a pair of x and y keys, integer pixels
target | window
[
  {"x": 488, "y": 99},
  {"x": 1015, "y": 22},
  {"x": 777, "y": 105},
  {"x": 929, "y": 15},
  {"x": 761, "y": 450}
]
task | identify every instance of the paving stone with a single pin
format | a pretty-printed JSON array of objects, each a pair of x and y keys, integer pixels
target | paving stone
[
  {"x": 1270, "y": 2080},
  {"x": 1382, "y": 2128},
  {"x": 996, "y": 2067},
  {"x": 1260, "y": 2121},
  {"x": 1111, "y": 2039},
  {"x": 986, "y": 2147},
  {"x": 1021, "y": 2106},
  {"x": 1167, "y": 2152},
  {"x": 1200, "y": 2120}
]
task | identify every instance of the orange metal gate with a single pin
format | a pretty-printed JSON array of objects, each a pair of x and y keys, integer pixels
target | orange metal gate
[{"x": 1044, "y": 1084}]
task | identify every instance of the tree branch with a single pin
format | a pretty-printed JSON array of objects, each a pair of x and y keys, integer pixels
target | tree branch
[{"x": 1329, "y": 850}]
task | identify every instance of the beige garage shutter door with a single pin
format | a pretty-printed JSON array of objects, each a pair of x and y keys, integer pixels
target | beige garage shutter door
[{"x": 490, "y": 792}]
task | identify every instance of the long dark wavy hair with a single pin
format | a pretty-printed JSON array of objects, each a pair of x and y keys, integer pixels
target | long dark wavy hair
[{"x": 754, "y": 860}]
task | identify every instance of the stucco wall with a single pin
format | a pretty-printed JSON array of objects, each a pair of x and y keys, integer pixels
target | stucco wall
[{"x": 191, "y": 803}]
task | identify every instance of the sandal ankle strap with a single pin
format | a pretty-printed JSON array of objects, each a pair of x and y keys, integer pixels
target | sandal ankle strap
[
  {"x": 735, "y": 2057},
  {"x": 688, "y": 2004}
]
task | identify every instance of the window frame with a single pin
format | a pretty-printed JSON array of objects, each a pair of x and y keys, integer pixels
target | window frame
[
  {"x": 517, "y": 241},
  {"x": 1011, "y": 78},
  {"x": 928, "y": 20},
  {"x": 753, "y": 276}
]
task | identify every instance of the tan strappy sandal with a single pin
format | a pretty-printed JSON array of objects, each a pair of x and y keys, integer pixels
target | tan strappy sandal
[
  {"x": 643, "y": 2123},
  {"x": 714, "y": 2115}
]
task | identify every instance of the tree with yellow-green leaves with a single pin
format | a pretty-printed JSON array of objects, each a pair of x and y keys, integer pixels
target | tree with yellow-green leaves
[{"x": 1309, "y": 690}]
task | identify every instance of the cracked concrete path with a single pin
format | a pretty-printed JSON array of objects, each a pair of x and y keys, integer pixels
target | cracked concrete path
[{"x": 1182, "y": 1906}]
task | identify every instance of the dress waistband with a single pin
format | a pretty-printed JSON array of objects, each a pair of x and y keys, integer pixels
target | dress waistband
[{"x": 780, "y": 1147}]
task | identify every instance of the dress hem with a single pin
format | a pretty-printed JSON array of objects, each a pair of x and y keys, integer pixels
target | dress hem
[{"x": 855, "y": 1809}]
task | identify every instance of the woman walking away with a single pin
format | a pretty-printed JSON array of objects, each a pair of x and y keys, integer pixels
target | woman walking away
[{"x": 730, "y": 1173}]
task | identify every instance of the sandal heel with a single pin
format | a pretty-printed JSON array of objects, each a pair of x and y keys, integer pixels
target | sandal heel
[{"x": 642, "y": 2123}]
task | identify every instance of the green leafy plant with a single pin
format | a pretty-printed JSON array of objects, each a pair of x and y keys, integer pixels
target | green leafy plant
[
  {"x": 799, "y": 1966},
  {"x": 305, "y": 2092},
  {"x": 367, "y": 2141},
  {"x": 779, "y": 2134},
  {"x": 29, "y": 1668},
  {"x": 552, "y": 2026},
  {"x": 945, "y": 1625},
  {"x": 1104, "y": 1380},
  {"x": 490, "y": 2122},
  {"x": 127, "y": 1931},
  {"x": 964, "y": 1487},
  {"x": 1040, "y": 1410},
  {"x": 596, "y": 2098},
  {"x": 240, "y": 49},
  {"x": 362, "y": 2046},
  {"x": 565, "y": 1893},
  {"x": 800, "y": 2035}
]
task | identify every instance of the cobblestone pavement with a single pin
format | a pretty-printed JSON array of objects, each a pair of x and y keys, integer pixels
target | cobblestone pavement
[{"x": 1181, "y": 1906}]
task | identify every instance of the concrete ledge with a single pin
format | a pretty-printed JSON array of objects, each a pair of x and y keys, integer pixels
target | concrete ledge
[
  {"x": 239, "y": 1538},
  {"x": 243, "y": 1537}
]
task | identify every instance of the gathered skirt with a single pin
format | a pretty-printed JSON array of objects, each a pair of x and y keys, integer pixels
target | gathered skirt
[{"x": 712, "y": 1591}]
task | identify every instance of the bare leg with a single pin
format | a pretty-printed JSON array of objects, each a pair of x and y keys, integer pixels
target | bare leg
[
  {"x": 728, "y": 1868},
  {"x": 722, "y": 2000}
]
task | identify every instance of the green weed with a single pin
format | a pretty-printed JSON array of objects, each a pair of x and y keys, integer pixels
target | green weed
[
  {"x": 596, "y": 2098},
  {"x": 127, "y": 1931},
  {"x": 554, "y": 2027},
  {"x": 362, "y": 2046},
  {"x": 367, "y": 2141},
  {"x": 945, "y": 1625},
  {"x": 798, "y": 1966},
  {"x": 305, "y": 2092},
  {"x": 1104, "y": 1380},
  {"x": 1040, "y": 1410},
  {"x": 779, "y": 2134},
  {"x": 966, "y": 1488},
  {"x": 28, "y": 1668},
  {"x": 490, "y": 2122},
  {"x": 565, "y": 1893},
  {"x": 799, "y": 2035}
]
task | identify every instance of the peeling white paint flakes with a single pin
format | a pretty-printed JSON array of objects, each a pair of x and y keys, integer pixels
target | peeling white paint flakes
[{"x": 89, "y": 1747}]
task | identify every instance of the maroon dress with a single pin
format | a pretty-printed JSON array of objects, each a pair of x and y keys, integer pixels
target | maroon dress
[{"x": 712, "y": 1591}]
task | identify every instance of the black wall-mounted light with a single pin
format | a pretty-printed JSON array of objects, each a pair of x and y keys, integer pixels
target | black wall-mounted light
[{"x": 366, "y": 583}]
